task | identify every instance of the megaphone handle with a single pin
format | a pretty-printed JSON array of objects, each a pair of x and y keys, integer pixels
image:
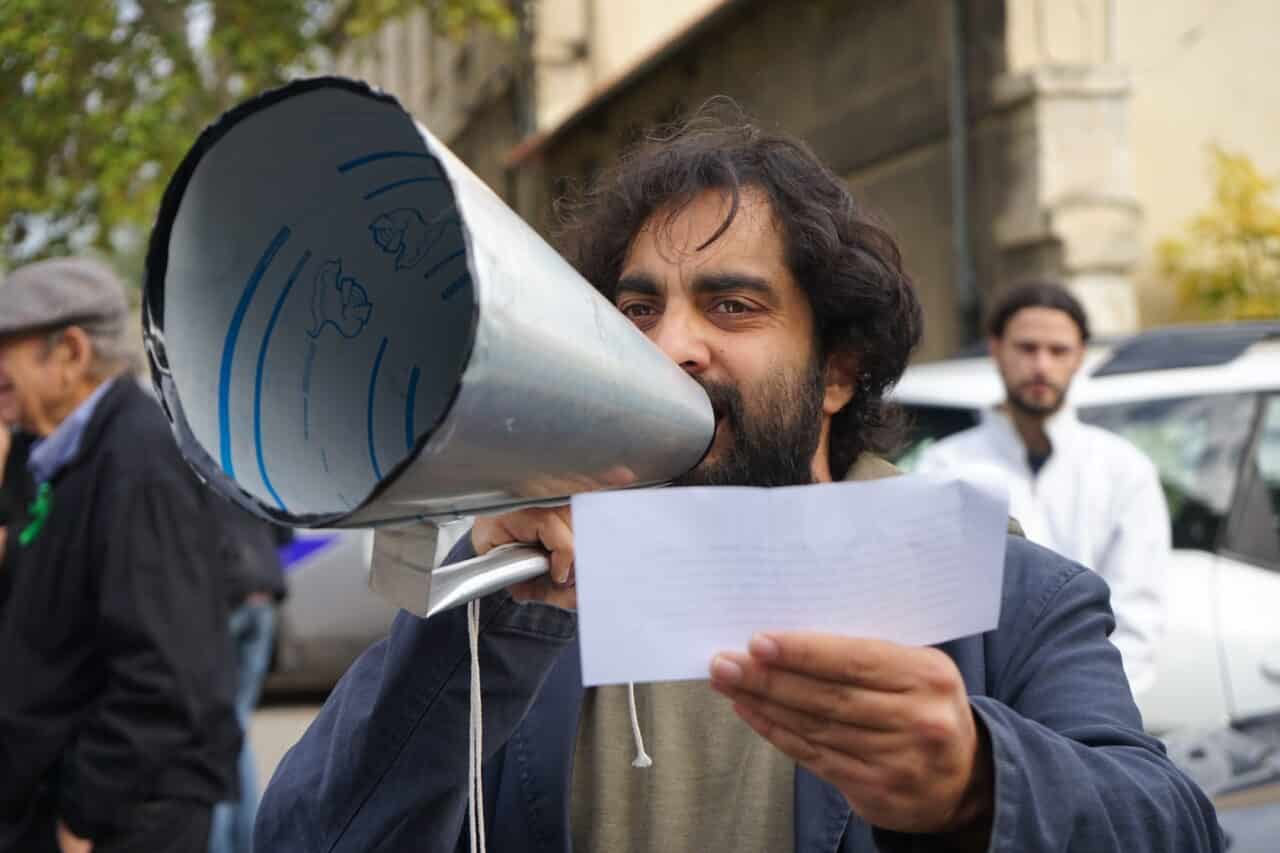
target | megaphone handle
[{"x": 461, "y": 582}]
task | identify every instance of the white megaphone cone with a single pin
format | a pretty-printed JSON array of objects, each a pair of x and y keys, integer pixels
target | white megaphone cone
[{"x": 348, "y": 328}]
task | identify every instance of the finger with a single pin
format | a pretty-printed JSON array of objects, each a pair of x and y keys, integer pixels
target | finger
[
  {"x": 542, "y": 590},
  {"x": 617, "y": 477},
  {"x": 548, "y": 527},
  {"x": 823, "y": 731},
  {"x": 849, "y": 660},
  {"x": 839, "y": 769},
  {"x": 556, "y": 535},
  {"x": 488, "y": 532},
  {"x": 845, "y": 703}
]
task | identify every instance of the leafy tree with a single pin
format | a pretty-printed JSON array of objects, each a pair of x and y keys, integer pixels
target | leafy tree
[
  {"x": 100, "y": 99},
  {"x": 1227, "y": 265}
]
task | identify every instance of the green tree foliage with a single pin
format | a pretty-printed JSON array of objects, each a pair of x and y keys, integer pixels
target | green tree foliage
[
  {"x": 100, "y": 99},
  {"x": 1227, "y": 264}
]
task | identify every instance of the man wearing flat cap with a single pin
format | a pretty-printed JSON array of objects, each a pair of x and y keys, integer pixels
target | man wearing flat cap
[{"x": 116, "y": 673}]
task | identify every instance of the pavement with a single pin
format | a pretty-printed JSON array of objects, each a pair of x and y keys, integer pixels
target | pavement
[{"x": 276, "y": 727}]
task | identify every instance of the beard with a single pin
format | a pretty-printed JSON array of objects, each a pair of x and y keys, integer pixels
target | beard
[
  {"x": 773, "y": 439},
  {"x": 1027, "y": 406}
]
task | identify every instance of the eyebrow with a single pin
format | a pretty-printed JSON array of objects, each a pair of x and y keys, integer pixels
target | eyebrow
[
  {"x": 710, "y": 284},
  {"x": 717, "y": 283},
  {"x": 641, "y": 284}
]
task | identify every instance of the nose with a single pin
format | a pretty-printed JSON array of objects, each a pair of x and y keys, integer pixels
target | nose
[
  {"x": 679, "y": 335},
  {"x": 1042, "y": 362}
]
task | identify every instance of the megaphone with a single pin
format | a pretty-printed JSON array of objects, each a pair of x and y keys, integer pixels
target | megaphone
[{"x": 346, "y": 327}]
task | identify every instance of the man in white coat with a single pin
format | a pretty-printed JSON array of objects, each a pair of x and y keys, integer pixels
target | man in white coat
[{"x": 1082, "y": 491}]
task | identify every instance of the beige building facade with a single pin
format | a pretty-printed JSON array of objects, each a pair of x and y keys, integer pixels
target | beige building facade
[
  {"x": 1001, "y": 139},
  {"x": 1185, "y": 75}
]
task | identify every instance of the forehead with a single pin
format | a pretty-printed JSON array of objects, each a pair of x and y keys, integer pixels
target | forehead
[
  {"x": 19, "y": 343},
  {"x": 674, "y": 240},
  {"x": 1043, "y": 324}
]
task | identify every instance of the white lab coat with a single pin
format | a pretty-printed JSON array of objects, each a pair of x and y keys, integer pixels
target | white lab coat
[{"x": 1097, "y": 500}]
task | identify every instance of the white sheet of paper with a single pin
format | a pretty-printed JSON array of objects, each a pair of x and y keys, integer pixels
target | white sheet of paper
[{"x": 669, "y": 577}]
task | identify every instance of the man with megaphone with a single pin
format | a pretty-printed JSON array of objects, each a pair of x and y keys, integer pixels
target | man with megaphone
[{"x": 749, "y": 265}]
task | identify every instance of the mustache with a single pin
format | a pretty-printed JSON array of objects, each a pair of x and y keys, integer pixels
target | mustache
[
  {"x": 1039, "y": 380},
  {"x": 726, "y": 399}
]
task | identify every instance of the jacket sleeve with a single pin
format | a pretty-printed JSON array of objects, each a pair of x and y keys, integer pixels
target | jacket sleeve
[
  {"x": 1073, "y": 770},
  {"x": 163, "y": 641},
  {"x": 384, "y": 764},
  {"x": 1134, "y": 562}
]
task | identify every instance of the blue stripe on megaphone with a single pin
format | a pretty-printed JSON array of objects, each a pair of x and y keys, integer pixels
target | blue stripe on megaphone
[
  {"x": 400, "y": 183},
  {"x": 455, "y": 286},
  {"x": 440, "y": 263},
  {"x": 229, "y": 349},
  {"x": 373, "y": 387},
  {"x": 257, "y": 377},
  {"x": 411, "y": 435},
  {"x": 381, "y": 155}
]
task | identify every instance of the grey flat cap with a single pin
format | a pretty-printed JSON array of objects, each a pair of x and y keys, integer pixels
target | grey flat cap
[{"x": 61, "y": 292}]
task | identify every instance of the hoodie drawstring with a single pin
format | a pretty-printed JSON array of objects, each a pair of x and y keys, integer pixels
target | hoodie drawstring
[
  {"x": 475, "y": 781},
  {"x": 642, "y": 758}
]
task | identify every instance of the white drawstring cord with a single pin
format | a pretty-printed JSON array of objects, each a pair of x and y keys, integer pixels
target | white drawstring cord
[
  {"x": 475, "y": 781},
  {"x": 642, "y": 758}
]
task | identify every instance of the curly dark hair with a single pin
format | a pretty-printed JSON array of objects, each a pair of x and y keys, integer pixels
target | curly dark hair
[
  {"x": 847, "y": 264},
  {"x": 1037, "y": 294}
]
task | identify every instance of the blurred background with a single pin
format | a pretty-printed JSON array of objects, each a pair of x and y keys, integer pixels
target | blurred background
[
  {"x": 1119, "y": 145},
  {"x": 1123, "y": 147}
]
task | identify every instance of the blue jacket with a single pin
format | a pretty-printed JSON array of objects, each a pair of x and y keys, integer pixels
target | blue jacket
[{"x": 384, "y": 765}]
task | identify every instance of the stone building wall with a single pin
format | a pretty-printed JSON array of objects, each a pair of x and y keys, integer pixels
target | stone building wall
[{"x": 865, "y": 84}]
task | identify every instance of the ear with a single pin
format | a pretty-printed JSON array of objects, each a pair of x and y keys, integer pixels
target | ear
[
  {"x": 993, "y": 345},
  {"x": 839, "y": 382},
  {"x": 77, "y": 351}
]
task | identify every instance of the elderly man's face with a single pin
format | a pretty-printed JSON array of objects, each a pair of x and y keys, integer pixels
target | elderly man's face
[
  {"x": 732, "y": 315},
  {"x": 31, "y": 386}
]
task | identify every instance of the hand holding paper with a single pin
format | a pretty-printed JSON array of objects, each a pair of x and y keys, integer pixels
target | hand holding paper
[
  {"x": 847, "y": 582},
  {"x": 888, "y": 725}
]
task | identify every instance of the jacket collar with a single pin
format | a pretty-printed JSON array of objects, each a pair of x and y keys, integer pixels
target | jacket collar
[
  {"x": 124, "y": 389},
  {"x": 1061, "y": 427},
  {"x": 51, "y": 454},
  {"x": 871, "y": 467}
]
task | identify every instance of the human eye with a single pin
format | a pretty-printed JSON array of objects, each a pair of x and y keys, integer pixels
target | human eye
[
  {"x": 731, "y": 306},
  {"x": 643, "y": 315},
  {"x": 636, "y": 310}
]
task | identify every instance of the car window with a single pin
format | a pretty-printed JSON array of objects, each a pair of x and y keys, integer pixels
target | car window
[
  {"x": 1196, "y": 444},
  {"x": 927, "y": 425},
  {"x": 1255, "y": 524}
]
